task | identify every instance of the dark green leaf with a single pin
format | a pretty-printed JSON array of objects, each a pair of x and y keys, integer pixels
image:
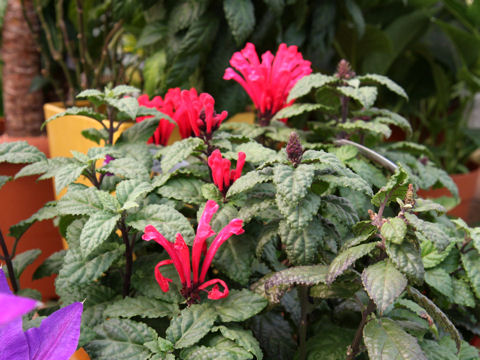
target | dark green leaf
[
  {"x": 309, "y": 82},
  {"x": 240, "y": 17},
  {"x": 141, "y": 306},
  {"x": 407, "y": 259},
  {"x": 50, "y": 266},
  {"x": 239, "y": 305},
  {"x": 471, "y": 263},
  {"x": 301, "y": 245},
  {"x": 346, "y": 258},
  {"x": 22, "y": 260}
]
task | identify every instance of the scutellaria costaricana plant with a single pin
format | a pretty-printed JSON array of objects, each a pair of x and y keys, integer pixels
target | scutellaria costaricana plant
[{"x": 322, "y": 248}]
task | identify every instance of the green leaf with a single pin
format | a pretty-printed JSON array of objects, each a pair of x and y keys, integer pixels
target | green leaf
[
  {"x": 340, "y": 208},
  {"x": 434, "y": 232},
  {"x": 255, "y": 152},
  {"x": 166, "y": 220},
  {"x": 22, "y": 260},
  {"x": 67, "y": 174},
  {"x": 462, "y": 294},
  {"x": 96, "y": 231},
  {"x": 48, "y": 211},
  {"x": 4, "y": 179},
  {"x": 351, "y": 181},
  {"x": 20, "y": 152},
  {"x": 436, "y": 314},
  {"x": 240, "y": 18},
  {"x": 87, "y": 202},
  {"x": 184, "y": 189},
  {"x": 82, "y": 111},
  {"x": 301, "y": 245},
  {"x": 140, "y": 306},
  {"x": 127, "y": 105},
  {"x": 50, "y": 265},
  {"x": 431, "y": 257},
  {"x": 372, "y": 126},
  {"x": 129, "y": 192},
  {"x": 396, "y": 187},
  {"x": 223, "y": 349},
  {"x": 138, "y": 133},
  {"x": 299, "y": 215},
  {"x": 440, "y": 281},
  {"x": 241, "y": 337},
  {"x": 191, "y": 325},
  {"x": 383, "y": 283},
  {"x": 95, "y": 135},
  {"x": 471, "y": 264},
  {"x": 330, "y": 342},
  {"x": 407, "y": 259},
  {"x": 385, "y": 339},
  {"x": 127, "y": 167},
  {"x": 239, "y": 305},
  {"x": 121, "y": 339},
  {"x": 179, "y": 151},
  {"x": 77, "y": 270},
  {"x": 309, "y": 82},
  {"x": 120, "y": 90},
  {"x": 277, "y": 284},
  {"x": 383, "y": 80},
  {"x": 297, "y": 109},
  {"x": 337, "y": 290},
  {"x": 90, "y": 92},
  {"x": 346, "y": 258},
  {"x": 394, "y": 230},
  {"x": 365, "y": 95},
  {"x": 293, "y": 183},
  {"x": 425, "y": 205},
  {"x": 246, "y": 182}
]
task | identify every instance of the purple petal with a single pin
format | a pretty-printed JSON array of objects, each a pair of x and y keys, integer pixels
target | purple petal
[
  {"x": 57, "y": 337},
  {"x": 4, "y": 288},
  {"x": 13, "y": 344},
  {"x": 14, "y": 306}
]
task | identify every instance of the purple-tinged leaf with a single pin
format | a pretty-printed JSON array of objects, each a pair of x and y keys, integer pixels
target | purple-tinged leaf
[
  {"x": 57, "y": 337},
  {"x": 13, "y": 344}
]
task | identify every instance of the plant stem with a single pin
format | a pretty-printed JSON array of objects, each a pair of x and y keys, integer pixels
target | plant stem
[
  {"x": 8, "y": 261},
  {"x": 344, "y": 100},
  {"x": 111, "y": 129},
  {"x": 302, "y": 329},
  {"x": 128, "y": 258},
  {"x": 355, "y": 347}
]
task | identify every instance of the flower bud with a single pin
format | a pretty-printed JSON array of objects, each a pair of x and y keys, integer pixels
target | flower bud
[
  {"x": 344, "y": 71},
  {"x": 294, "y": 149}
]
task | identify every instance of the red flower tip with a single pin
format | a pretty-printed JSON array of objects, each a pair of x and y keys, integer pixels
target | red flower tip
[
  {"x": 222, "y": 176},
  {"x": 268, "y": 82},
  {"x": 165, "y": 127},
  {"x": 215, "y": 293}
]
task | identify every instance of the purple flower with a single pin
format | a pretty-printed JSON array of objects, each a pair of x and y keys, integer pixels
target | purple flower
[
  {"x": 12, "y": 306},
  {"x": 56, "y": 338}
]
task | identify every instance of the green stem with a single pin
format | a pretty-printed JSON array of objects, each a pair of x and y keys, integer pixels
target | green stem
[
  {"x": 355, "y": 347},
  {"x": 8, "y": 261},
  {"x": 302, "y": 328}
]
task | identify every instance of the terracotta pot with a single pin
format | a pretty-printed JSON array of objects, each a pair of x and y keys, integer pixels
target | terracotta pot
[
  {"x": 20, "y": 199},
  {"x": 469, "y": 190},
  {"x": 80, "y": 354}
]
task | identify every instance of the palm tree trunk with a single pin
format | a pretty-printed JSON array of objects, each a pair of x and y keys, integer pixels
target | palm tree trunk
[{"x": 23, "y": 108}]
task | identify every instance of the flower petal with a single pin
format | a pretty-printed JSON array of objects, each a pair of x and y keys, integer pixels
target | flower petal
[
  {"x": 162, "y": 280},
  {"x": 13, "y": 343},
  {"x": 215, "y": 293},
  {"x": 13, "y": 306}
]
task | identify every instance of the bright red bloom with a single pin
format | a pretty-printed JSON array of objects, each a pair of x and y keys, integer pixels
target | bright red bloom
[
  {"x": 194, "y": 114},
  {"x": 180, "y": 256},
  {"x": 269, "y": 82},
  {"x": 222, "y": 176},
  {"x": 165, "y": 127}
]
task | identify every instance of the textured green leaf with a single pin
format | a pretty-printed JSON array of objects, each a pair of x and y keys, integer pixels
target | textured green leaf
[
  {"x": 95, "y": 135},
  {"x": 342, "y": 290},
  {"x": 434, "y": 232},
  {"x": 431, "y": 257},
  {"x": 372, "y": 126},
  {"x": 76, "y": 270},
  {"x": 243, "y": 338},
  {"x": 86, "y": 202},
  {"x": 184, "y": 189},
  {"x": 297, "y": 109},
  {"x": 178, "y": 152},
  {"x": 121, "y": 339},
  {"x": 407, "y": 259},
  {"x": 82, "y": 111},
  {"x": 20, "y": 152},
  {"x": 240, "y": 17},
  {"x": 275, "y": 334},
  {"x": 278, "y": 283},
  {"x": 435, "y": 350},
  {"x": 424, "y": 205},
  {"x": 246, "y": 182},
  {"x": 341, "y": 208},
  {"x": 121, "y": 90},
  {"x": 255, "y": 152},
  {"x": 345, "y": 259},
  {"x": 127, "y": 167},
  {"x": 394, "y": 230},
  {"x": 22, "y": 260},
  {"x": 396, "y": 187},
  {"x": 385, "y": 339},
  {"x": 353, "y": 182},
  {"x": 309, "y": 82},
  {"x": 299, "y": 214},
  {"x": 383, "y": 80},
  {"x": 166, "y": 220},
  {"x": 48, "y": 211},
  {"x": 141, "y": 306},
  {"x": 90, "y": 92},
  {"x": 127, "y": 105},
  {"x": 383, "y": 283},
  {"x": 436, "y": 314},
  {"x": 301, "y": 245},
  {"x": 440, "y": 281},
  {"x": 330, "y": 342},
  {"x": 225, "y": 349},
  {"x": 239, "y": 305},
  {"x": 50, "y": 265},
  {"x": 365, "y": 95},
  {"x": 129, "y": 192},
  {"x": 4, "y": 179},
  {"x": 293, "y": 183},
  {"x": 462, "y": 294},
  {"x": 96, "y": 231},
  {"x": 138, "y": 133},
  {"x": 191, "y": 325},
  {"x": 471, "y": 264}
]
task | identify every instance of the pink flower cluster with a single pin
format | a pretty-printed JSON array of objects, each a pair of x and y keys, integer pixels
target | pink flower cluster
[
  {"x": 268, "y": 82},
  {"x": 222, "y": 176}
]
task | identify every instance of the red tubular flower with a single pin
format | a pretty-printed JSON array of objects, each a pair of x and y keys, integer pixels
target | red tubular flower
[
  {"x": 269, "y": 82},
  {"x": 222, "y": 176},
  {"x": 194, "y": 114},
  {"x": 180, "y": 256},
  {"x": 165, "y": 127}
]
